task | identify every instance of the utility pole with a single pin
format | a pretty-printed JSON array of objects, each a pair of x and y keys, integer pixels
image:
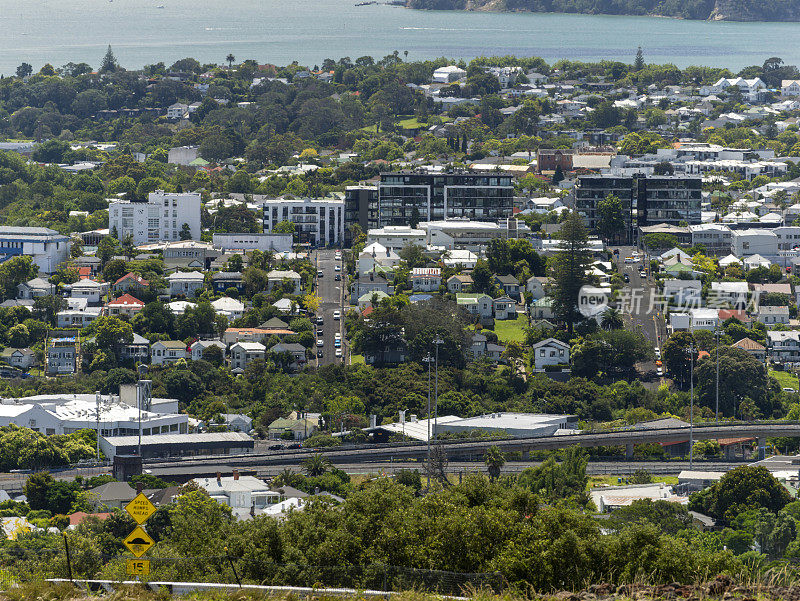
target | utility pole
[
  {"x": 437, "y": 341},
  {"x": 691, "y": 408},
  {"x": 428, "y": 359}
]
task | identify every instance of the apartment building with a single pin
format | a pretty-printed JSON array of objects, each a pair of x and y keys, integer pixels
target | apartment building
[
  {"x": 162, "y": 218},
  {"x": 407, "y": 197},
  {"x": 317, "y": 221},
  {"x": 360, "y": 208}
]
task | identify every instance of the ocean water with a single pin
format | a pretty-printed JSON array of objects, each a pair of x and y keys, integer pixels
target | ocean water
[{"x": 279, "y": 31}]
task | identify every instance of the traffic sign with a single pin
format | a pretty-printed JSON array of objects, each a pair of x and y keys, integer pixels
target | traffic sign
[
  {"x": 138, "y": 567},
  {"x": 140, "y": 508},
  {"x": 138, "y": 541}
]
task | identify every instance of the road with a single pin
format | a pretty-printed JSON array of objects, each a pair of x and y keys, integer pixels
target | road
[
  {"x": 637, "y": 303},
  {"x": 330, "y": 294}
]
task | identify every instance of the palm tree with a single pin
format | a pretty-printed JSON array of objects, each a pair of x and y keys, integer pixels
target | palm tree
[
  {"x": 230, "y": 58},
  {"x": 287, "y": 477},
  {"x": 612, "y": 319},
  {"x": 494, "y": 460},
  {"x": 316, "y": 465}
]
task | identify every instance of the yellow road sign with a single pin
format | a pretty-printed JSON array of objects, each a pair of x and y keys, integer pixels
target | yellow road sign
[
  {"x": 140, "y": 508},
  {"x": 138, "y": 567},
  {"x": 138, "y": 541}
]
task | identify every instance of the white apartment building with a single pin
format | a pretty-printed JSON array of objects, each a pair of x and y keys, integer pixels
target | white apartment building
[
  {"x": 243, "y": 353},
  {"x": 46, "y": 247},
  {"x": 395, "y": 237},
  {"x": 318, "y": 221},
  {"x": 160, "y": 219}
]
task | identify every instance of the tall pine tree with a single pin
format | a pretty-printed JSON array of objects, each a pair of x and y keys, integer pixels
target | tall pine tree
[{"x": 570, "y": 264}]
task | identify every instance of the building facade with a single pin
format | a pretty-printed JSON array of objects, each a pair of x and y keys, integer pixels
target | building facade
[
  {"x": 317, "y": 221},
  {"x": 405, "y": 198},
  {"x": 360, "y": 208},
  {"x": 46, "y": 247},
  {"x": 160, "y": 219}
]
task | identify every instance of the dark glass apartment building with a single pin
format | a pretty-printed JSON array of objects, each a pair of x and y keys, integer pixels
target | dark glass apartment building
[
  {"x": 408, "y": 197},
  {"x": 360, "y": 207},
  {"x": 646, "y": 200}
]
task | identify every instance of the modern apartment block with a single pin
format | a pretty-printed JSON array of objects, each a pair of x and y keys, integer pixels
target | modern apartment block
[
  {"x": 646, "y": 200},
  {"x": 360, "y": 207},
  {"x": 160, "y": 219},
  {"x": 318, "y": 221},
  {"x": 407, "y": 197}
]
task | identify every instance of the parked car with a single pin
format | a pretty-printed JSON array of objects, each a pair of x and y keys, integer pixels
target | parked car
[
  {"x": 338, "y": 352},
  {"x": 320, "y": 342},
  {"x": 337, "y": 315}
]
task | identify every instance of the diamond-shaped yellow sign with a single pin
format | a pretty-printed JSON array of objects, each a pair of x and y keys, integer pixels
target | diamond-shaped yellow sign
[
  {"x": 140, "y": 508},
  {"x": 138, "y": 541}
]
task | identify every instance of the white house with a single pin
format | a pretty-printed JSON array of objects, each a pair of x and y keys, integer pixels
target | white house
[
  {"x": 477, "y": 304},
  {"x": 21, "y": 358},
  {"x": 199, "y": 346},
  {"x": 536, "y": 286},
  {"x": 377, "y": 254},
  {"x": 243, "y": 494},
  {"x": 425, "y": 279},
  {"x": 229, "y": 307},
  {"x": 550, "y": 352},
  {"x": 276, "y": 277},
  {"x": 162, "y": 218},
  {"x": 790, "y": 87},
  {"x": 243, "y": 353},
  {"x": 185, "y": 283},
  {"x": 783, "y": 346},
  {"x": 505, "y": 308},
  {"x": 35, "y": 288},
  {"x": 704, "y": 319},
  {"x": 165, "y": 352},
  {"x": 735, "y": 294},
  {"x": 715, "y": 237},
  {"x": 448, "y": 74},
  {"x": 683, "y": 291},
  {"x": 90, "y": 290}
]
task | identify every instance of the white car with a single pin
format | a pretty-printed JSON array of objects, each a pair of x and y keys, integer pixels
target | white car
[
  {"x": 338, "y": 352},
  {"x": 659, "y": 371},
  {"x": 337, "y": 315},
  {"x": 658, "y": 352},
  {"x": 320, "y": 342},
  {"x": 337, "y": 268}
]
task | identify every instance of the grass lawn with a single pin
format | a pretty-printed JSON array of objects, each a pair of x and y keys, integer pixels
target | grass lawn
[
  {"x": 411, "y": 123},
  {"x": 614, "y": 480},
  {"x": 785, "y": 378},
  {"x": 509, "y": 330},
  {"x": 356, "y": 359}
]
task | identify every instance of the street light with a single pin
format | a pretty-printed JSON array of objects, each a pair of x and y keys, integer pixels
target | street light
[
  {"x": 437, "y": 341},
  {"x": 691, "y": 407},
  {"x": 717, "y": 334},
  {"x": 428, "y": 359}
]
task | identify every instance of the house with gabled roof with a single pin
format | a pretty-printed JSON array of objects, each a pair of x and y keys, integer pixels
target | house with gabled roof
[{"x": 124, "y": 306}]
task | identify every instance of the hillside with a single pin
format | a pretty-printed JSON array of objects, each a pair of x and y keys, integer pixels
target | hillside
[{"x": 717, "y": 10}]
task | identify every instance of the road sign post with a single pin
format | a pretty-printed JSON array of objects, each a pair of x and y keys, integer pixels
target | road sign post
[{"x": 139, "y": 542}]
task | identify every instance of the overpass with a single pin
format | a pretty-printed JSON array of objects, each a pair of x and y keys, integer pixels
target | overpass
[{"x": 466, "y": 448}]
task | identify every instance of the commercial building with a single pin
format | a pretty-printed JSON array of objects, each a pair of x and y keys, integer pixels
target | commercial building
[
  {"x": 68, "y": 413},
  {"x": 408, "y": 197},
  {"x": 162, "y": 218},
  {"x": 178, "y": 444},
  {"x": 395, "y": 237},
  {"x": 46, "y": 247},
  {"x": 281, "y": 243},
  {"x": 646, "y": 200},
  {"x": 317, "y": 221}
]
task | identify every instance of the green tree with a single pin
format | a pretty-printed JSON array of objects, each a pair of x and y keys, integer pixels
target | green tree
[
  {"x": 13, "y": 272},
  {"x": 316, "y": 465},
  {"x": 678, "y": 357},
  {"x": 109, "y": 63},
  {"x": 570, "y": 263},
  {"x": 112, "y": 332},
  {"x": 611, "y": 221},
  {"x": 638, "y": 63},
  {"x": 284, "y": 227},
  {"x": 494, "y": 460},
  {"x": 186, "y": 232},
  {"x": 739, "y": 490}
]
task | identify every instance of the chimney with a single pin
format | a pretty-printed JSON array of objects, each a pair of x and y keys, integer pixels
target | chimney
[
  {"x": 219, "y": 479},
  {"x": 235, "y": 474},
  {"x": 373, "y": 420}
]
